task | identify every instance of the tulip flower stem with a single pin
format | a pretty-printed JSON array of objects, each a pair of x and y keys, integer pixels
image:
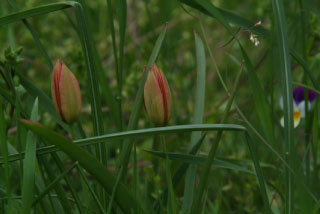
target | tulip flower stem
[
  {"x": 73, "y": 136},
  {"x": 135, "y": 175},
  {"x": 155, "y": 146},
  {"x": 171, "y": 195}
]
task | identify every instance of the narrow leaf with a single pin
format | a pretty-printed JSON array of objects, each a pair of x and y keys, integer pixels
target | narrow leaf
[
  {"x": 29, "y": 165},
  {"x": 197, "y": 119}
]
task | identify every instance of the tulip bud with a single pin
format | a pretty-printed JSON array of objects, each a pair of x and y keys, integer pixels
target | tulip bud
[
  {"x": 157, "y": 97},
  {"x": 66, "y": 93}
]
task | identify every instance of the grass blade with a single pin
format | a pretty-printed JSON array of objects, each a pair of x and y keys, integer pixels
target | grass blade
[
  {"x": 4, "y": 149},
  {"x": 29, "y": 165},
  {"x": 43, "y": 9},
  {"x": 121, "y": 6},
  {"x": 197, "y": 119},
  {"x": 258, "y": 170},
  {"x": 286, "y": 80},
  {"x": 117, "y": 114},
  {"x": 109, "y": 138},
  {"x": 197, "y": 160},
  {"x": 86, "y": 44},
  {"x": 230, "y": 17},
  {"x": 113, "y": 36}
]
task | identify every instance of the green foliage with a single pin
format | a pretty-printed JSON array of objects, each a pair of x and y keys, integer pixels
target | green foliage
[{"x": 231, "y": 67}]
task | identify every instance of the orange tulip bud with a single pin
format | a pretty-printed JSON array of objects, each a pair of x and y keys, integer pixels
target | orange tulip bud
[
  {"x": 157, "y": 97},
  {"x": 66, "y": 93}
]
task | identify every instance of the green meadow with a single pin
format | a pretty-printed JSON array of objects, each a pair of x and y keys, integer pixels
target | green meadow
[{"x": 159, "y": 106}]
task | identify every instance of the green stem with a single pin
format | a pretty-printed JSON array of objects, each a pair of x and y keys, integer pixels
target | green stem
[
  {"x": 73, "y": 136},
  {"x": 171, "y": 195},
  {"x": 135, "y": 174},
  {"x": 4, "y": 150}
]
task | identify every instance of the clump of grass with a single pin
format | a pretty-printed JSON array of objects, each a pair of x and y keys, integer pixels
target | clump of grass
[{"x": 224, "y": 149}]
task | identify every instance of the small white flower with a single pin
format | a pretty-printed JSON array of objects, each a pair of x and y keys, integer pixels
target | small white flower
[
  {"x": 254, "y": 39},
  {"x": 251, "y": 37}
]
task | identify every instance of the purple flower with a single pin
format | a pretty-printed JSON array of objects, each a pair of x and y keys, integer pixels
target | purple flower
[{"x": 298, "y": 95}]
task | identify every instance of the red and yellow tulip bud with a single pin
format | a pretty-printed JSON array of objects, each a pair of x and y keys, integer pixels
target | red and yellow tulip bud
[
  {"x": 66, "y": 93},
  {"x": 157, "y": 97}
]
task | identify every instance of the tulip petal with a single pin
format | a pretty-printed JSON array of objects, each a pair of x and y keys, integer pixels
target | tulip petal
[
  {"x": 70, "y": 95},
  {"x": 165, "y": 92},
  {"x": 65, "y": 93},
  {"x": 55, "y": 86},
  {"x": 154, "y": 99}
]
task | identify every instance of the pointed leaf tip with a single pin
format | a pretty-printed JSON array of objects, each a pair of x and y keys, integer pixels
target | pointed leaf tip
[{"x": 27, "y": 122}]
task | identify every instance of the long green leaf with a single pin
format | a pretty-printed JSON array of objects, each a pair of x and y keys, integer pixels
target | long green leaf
[
  {"x": 197, "y": 119},
  {"x": 231, "y": 17},
  {"x": 123, "y": 197},
  {"x": 258, "y": 170},
  {"x": 197, "y": 160},
  {"x": 109, "y": 138},
  {"x": 29, "y": 165},
  {"x": 87, "y": 46},
  {"x": 117, "y": 115},
  {"x": 4, "y": 149},
  {"x": 44, "y": 9},
  {"x": 121, "y": 6},
  {"x": 283, "y": 49}
]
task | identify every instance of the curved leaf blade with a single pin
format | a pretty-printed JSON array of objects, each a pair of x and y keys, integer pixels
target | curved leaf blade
[{"x": 123, "y": 197}]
